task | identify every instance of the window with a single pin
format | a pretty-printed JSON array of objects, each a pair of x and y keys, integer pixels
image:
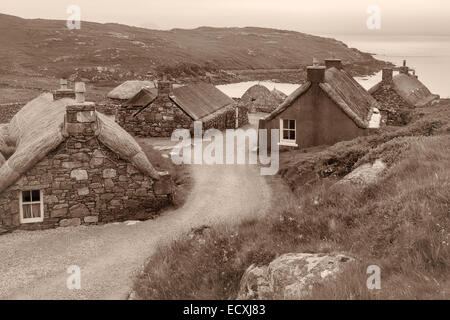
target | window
[
  {"x": 31, "y": 206},
  {"x": 287, "y": 132}
]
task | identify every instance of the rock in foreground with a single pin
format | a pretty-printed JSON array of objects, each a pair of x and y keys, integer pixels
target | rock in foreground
[{"x": 290, "y": 276}]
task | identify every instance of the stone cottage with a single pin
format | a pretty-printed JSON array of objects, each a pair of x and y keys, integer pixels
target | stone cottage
[
  {"x": 260, "y": 99},
  {"x": 63, "y": 163},
  {"x": 399, "y": 94},
  {"x": 330, "y": 107},
  {"x": 159, "y": 114}
]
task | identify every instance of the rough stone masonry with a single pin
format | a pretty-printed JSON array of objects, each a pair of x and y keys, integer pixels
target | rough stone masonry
[{"x": 84, "y": 182}]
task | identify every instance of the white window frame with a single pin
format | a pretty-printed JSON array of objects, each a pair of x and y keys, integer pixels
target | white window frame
[
  {"x": 288, "y": 142},
  {"x": 41, "y": 202}
]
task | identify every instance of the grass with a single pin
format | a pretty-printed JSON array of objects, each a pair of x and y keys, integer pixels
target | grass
[
  {"x": 180, "y": 173},
  {"x": 401, "y": 223}
]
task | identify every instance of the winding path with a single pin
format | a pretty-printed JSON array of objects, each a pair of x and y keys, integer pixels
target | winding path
[{"x": 33, "y": 264}]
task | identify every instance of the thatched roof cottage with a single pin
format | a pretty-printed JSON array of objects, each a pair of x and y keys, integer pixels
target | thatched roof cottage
[
  {"x": 399, "y": 94},
  {"x": 120, "y": 94},
  {"x": 158, "y": 114},
  {"x": 330, "y": 107},
  {"x": 278, "y": 94},
  {"x": 260, "y": 99},
  {"x": 129, "y": 89},
  {"x": 63, "y": 163}
]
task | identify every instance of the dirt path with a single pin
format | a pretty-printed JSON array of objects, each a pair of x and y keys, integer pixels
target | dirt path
[{"x": 33, "y": 264}]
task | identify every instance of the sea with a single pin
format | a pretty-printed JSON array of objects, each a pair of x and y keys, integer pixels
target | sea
[{"x": 428, "y": 55}]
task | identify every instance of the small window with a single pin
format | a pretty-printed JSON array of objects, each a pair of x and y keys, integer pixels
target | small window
[
  {"x": 287, "y": 131},
  {"x": 31, "y": 206}
]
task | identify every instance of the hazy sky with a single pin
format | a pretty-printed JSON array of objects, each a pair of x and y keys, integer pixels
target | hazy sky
[{"x": 312, "y": 16}]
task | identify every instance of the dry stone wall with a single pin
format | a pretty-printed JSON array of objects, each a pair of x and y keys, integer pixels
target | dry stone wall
[{"x": 394, "y": 109}]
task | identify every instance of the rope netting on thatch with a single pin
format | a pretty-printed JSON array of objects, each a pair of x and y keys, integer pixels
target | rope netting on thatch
[{"x": 38, "y": 128}]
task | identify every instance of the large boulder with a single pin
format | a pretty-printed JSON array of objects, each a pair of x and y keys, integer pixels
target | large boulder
[
  {"x": 365, "y": 174},
  {"x": 290, "y": 276}
]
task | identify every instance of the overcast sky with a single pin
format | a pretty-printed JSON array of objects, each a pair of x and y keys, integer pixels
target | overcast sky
[{"x": 312, "y": 16}]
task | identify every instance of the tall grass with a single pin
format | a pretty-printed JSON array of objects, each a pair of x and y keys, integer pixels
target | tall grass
[{"x": 400, "y": 223}]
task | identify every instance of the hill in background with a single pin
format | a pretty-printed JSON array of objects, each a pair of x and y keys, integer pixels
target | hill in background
[{"x": 113, "y": 51}]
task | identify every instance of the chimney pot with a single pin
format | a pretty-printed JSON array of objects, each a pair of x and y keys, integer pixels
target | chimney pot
[
  {"x": 80, "y": 90},
  {"x": 164, "y": 87},
  {"x": 330, "y": 63},
  {"x": 315, "y": 74},
  {"x": 63, "y": 91},
  {"x": 387, "y": 75},
  {"x": 63, "y": 83},
  {"x": 81, "y": 120}
]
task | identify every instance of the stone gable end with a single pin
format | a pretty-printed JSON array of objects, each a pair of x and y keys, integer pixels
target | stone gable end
[
  {"x": 163, "y": 117},
  {"x": 159, "y": 119}
]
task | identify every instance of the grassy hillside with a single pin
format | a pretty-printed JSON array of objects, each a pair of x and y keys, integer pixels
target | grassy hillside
[
  {"x": 400, "y": 223},
  {"x": 113, "y": 51}
]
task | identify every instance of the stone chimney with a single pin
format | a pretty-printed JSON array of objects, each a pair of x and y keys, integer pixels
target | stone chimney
[
  {"x": 63, "y": 83},
  {"x": 63, "y": 91},
  {"x": 315, "y": 74},
  {"x": 404, "y": 69},
  {"x": 80, "y": 120},
  {"x": 387, "y": 75},
  {"x": 164, "y": 87},
  {"x": 80, "y": 91},
  {"x": 330, "y": 63}
]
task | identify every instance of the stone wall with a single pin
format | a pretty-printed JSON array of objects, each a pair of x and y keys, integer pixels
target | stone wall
[
  {"x": 84, "y": 182},
  {"x": 160, "y": 119},
  {"x": 108, "y": 108},
  {"x": 242, "y": 116},
  {"x": 226, "y": 118},
  {"x": 394, "y": 109},
  {"x": 163, "y": 116}
]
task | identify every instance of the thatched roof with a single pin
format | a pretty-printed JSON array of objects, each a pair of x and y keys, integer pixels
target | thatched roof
[
  {"x": 259, "y": 97},
  {"x": 129, "y": 89},
  {"x": 278, "y": 94},
  {"x": 200, "y": 100},
  {"x": 345, "y": 91},
  {"x": 142, "y": 98},
  {"x": 410, "y": 89},
  {"x": 353, "y": 99},
  {"x": 38, "y": 128}
]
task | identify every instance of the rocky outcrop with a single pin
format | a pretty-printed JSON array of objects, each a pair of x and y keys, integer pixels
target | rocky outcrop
[
  {"x": 365, "y": 174},
  {"x": 290, "y": 276}
]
